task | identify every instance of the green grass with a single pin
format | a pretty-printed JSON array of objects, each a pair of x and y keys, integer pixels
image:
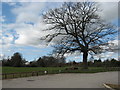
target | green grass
[
  {"x": 51, "y": 70},
  {"x": 33, "y": 69},
  {"x": 93, "y": 70},
  {"x": 21, "y": 71},
  {"x": 29, "y": 69}
]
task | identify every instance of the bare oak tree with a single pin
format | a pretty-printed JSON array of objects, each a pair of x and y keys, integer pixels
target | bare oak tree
[{"x": 79, "y": 28}]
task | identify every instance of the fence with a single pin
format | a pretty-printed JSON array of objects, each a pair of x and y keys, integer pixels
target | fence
[
  {"x": 37, "y": 73},
  {"x": 26, "y": 74}
]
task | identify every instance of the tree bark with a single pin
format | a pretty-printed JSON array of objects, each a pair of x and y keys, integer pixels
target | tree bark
[{"x": 85, "y": 55}]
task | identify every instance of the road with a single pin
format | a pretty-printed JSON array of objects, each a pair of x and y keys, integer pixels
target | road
[{"x": 68, "y": 80}]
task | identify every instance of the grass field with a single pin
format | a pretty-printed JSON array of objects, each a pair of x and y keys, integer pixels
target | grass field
[
  {"x": 31, "y": 69},
  {"x": 51, "y": 70},
  {"x": 93, "y": 70}
]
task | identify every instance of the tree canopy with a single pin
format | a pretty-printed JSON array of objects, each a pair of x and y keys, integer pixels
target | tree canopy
[
  {"x": 17, "y": 60},
  {"x": 79, "y": 28}
]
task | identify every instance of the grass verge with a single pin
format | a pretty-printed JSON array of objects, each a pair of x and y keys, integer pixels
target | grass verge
[{"x": 16, "y": 72}]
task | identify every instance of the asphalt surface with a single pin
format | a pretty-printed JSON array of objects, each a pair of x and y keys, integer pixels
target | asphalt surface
[{"x": 75, "y": 80}]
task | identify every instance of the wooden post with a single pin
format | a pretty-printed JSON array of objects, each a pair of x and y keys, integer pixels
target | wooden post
[
  {"x": 13, "y": 75},
  {"x": 32, "y": 73},
  {"x": 26, "y": 74},
  {"x": 37, "y": 73},
  {"x": 20, "y": 74},
  {"x": 5, "y": 76}
]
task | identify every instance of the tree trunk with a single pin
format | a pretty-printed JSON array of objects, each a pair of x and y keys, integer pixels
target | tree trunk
[{"x": 85, "y": 55}]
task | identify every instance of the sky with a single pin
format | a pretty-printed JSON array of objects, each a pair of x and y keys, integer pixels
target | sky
[{"x": 22, "y": 28}]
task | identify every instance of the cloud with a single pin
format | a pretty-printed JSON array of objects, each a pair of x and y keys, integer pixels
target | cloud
[
  {"x": 2, "y": 56},
  {"x": 104, "y": 55},
  {"x": 28, "y": 25},
  {"x": 77, "y": 57},
  {"x": 2, "y": 19},
  {"x": 109, "y": 10},
  {"x": 26, "y": 34},
  {"x": 103, "y": 0},
  {"x": 12, "y": 3},
  {"x": 30, "y": 35},
  {"x": 6, "y": 41},
  {"x": 114, "y": 42},
  {"x": 58, "y": 0},
  {"x": 28, "y": 12},
  {"x": 114, "y": 45},
  {"x": 28, "y": 0}
]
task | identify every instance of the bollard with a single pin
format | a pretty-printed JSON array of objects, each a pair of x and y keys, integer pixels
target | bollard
[
  {"x": 45, "y": 72},
  {"x": 59, "y": 71}
]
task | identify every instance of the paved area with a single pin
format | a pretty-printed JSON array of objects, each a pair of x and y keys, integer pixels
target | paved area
[{"x": 63, "y": 81}]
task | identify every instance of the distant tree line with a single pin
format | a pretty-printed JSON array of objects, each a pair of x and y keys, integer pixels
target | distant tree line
[
  {"x": 106, "y": 63},
  {"x": 15, "y": 61},
  {"x": 99, "y": 63},
  {"x": 49, "y": 61},
  {"x": 46, "y": 61}
]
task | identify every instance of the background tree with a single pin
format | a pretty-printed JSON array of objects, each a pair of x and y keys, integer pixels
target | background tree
[
  {"x": 41, "y": 62},
  {"x": 33, "y": 64},
  {"x": 77, "y": 26},
  {"x": 47, "y": 61},
  {"x": 17, "y": 60},
  {"x": 61, "y": 61},
  {"x": 98, "y": 63},
  {"x": 113, "y": 62},
  {"x": 6, "y": 62}
]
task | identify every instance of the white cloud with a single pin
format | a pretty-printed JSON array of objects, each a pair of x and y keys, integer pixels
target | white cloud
[
  {"x": 77, "y": 57},
  {"x": 103, "y": 0},
  {"x": 58, "y": 0},
  {"x": 111, "y": 46},
  {"x": 6, "y": 41},
  {"x": 114, "y": 45},
  {"x": 109, "y": 10},
  {"x": 29, "y": 24},
  {"x": 104, "y": 55},
  {"x": 2, "y": 56},
  {"x": 114, "y": 42},
  {"x": 75, "y": 54},
  {"x": 2, "y": 18},
  {"x": 30, "y": 0},
  {"x": 28, "y": 12},
  {"x": 12, "y": 3},
  {"x": 29, "y": 34}
]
